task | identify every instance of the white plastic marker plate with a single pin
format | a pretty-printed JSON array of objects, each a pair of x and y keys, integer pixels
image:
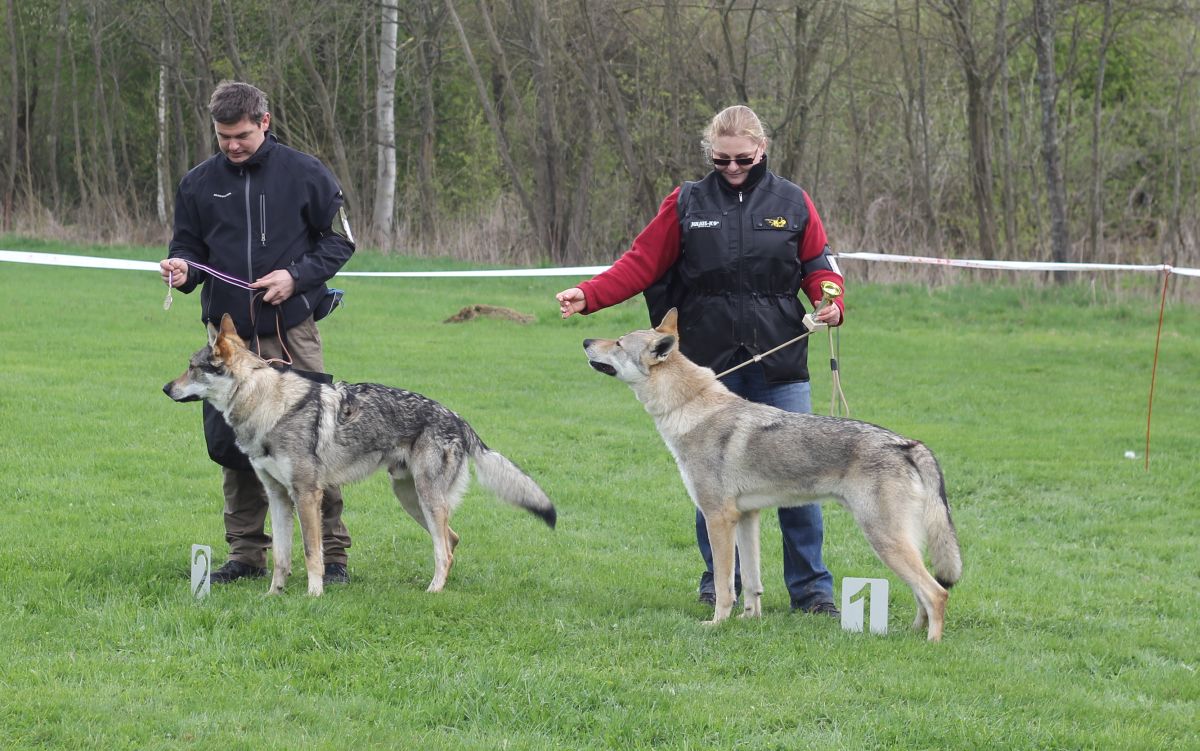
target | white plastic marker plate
[
  {"x": 201, "y": 571},
  {"x": 853, "y": 604}
]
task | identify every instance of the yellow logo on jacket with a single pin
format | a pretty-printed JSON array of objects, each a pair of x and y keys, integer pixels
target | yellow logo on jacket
[{"x": 777, "y": 222}]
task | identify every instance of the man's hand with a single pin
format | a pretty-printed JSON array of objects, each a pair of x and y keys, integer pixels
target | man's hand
[
  {"x": 174, "y": 271},
  {"x": 279, "y": 286}
]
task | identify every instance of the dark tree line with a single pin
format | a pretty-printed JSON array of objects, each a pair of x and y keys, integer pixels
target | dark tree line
[{"x": 549, "y": 130}]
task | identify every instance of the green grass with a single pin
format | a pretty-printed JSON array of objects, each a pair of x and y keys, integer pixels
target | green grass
[{"x": 1074, "y": 625}]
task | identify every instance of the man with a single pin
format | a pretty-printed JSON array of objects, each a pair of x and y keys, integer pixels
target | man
[{"x": 272, "y": 216}]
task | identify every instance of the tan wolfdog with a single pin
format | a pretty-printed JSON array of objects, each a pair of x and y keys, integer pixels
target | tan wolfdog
[{"x": 739, "y": 457}]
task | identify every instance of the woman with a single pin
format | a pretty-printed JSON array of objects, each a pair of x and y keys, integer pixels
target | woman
[{"x": 737, "y": 248}]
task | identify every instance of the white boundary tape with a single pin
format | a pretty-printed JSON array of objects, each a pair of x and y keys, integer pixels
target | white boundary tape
[
  {"x": 87, "y": 262},
  {"x": 90, "y": 262},
  {"x": 1017, "y": 265},
  {"x": 57, "y": 259}
]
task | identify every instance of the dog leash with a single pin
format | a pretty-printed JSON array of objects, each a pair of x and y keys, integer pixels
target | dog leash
[
  {"x": 835, "y": 375},
  {"x": 836, "y": 393},
  {"x": 771, "y": 351},
  {"x": 829, "y": 290},
  {"x": 256, "y": 297}
]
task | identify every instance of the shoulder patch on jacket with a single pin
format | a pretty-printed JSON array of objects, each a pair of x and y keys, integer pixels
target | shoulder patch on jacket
[{"x": 341, "y": 225}]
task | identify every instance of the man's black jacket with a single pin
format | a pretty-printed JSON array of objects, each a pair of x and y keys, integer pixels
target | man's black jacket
[{"x": 274, "y": 211}]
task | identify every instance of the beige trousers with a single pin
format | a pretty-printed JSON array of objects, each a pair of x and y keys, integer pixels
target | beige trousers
[{"x": 245, "y": 498}]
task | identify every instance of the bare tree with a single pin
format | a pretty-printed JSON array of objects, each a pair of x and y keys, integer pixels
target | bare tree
[
  {"x": 600, "y": 76},
  {"x": 1045, "y": 22},
  {"x": 737, "y": 53},
  {"x": 916, "y": 117},
  {"x": 979, "y": 73},
  {"x": 52, "y": 132},
  {"x": 14, "y": 107},
  {"x": 1177, "y": 239},
  {"x": 486, "y": 101},
  {"x": 430, "y": 20},
  {"x": 1096, "y": 195},
  {"x": 192, "y": 19},
  {"x": 812, "y": 21},
  {"x": 231, "y": 41},
  {"x": 105, "y": 141},
  {"x": 535, "y": 121},
  {"x": 328, "y": 111}
]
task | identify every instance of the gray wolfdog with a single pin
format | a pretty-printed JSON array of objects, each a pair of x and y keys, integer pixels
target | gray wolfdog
[
  {"x": 738, "y": 457},
  {"x": 302, "y": 437}
]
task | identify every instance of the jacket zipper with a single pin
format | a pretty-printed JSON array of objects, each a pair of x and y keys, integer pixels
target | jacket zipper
[
  {"x": 739, "y": 322},
  {"x": 262, "y": 219}
]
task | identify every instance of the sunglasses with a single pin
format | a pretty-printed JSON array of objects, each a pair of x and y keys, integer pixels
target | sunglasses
[{"x": 744, "y": 161}]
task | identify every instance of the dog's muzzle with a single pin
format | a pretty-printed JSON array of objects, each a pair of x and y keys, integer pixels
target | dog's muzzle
[
  {"x": 188, "y": 398},
  {"x": 603, "y": 367}
]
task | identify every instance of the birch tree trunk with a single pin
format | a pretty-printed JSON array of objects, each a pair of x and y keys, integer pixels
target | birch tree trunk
[
  {"x": 383, "y": 215},
  {"x": 160, "y": 154}
]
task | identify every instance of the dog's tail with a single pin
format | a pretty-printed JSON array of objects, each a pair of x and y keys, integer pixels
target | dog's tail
[
  {"x": 508, "y": 482},
  {"x": 940, "y": 535}
]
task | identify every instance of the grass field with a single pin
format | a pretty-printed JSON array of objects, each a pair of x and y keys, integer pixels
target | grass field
[{"x": 1074, "y": 626}]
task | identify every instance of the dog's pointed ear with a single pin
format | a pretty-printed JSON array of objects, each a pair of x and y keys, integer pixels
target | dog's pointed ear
[
  {"x": 227, "y": 340},
  {"x": 212, "y": 333},
  {"x": 669, "y": 323},
  {"x": 229, "y": 331},
  {"x": 663, "y": 346}
]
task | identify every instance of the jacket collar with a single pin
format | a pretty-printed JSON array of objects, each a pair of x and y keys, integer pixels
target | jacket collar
[
  {"x": 753, "y": 178},
  {"x": 259, "y": 157}
]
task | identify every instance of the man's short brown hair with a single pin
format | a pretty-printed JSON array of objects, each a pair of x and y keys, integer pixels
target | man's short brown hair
[{"x": 234, "y": 101}]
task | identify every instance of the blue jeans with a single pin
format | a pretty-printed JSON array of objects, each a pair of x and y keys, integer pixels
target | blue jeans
[{"x": 808, "y": 581}]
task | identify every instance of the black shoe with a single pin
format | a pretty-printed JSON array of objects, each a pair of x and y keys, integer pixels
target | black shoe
[
  {"x": 708, "y": 598},
  {"x": 822, "y": 608},
  {"x": 336, "y": 573},
  {"x": 234, "y": 570}
]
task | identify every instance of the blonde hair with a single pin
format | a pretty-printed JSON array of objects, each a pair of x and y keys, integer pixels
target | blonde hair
[{"x": 738, "y": 120}]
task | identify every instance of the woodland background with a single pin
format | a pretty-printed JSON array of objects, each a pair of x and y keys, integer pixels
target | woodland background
[{"x": 548, "y": 131}]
